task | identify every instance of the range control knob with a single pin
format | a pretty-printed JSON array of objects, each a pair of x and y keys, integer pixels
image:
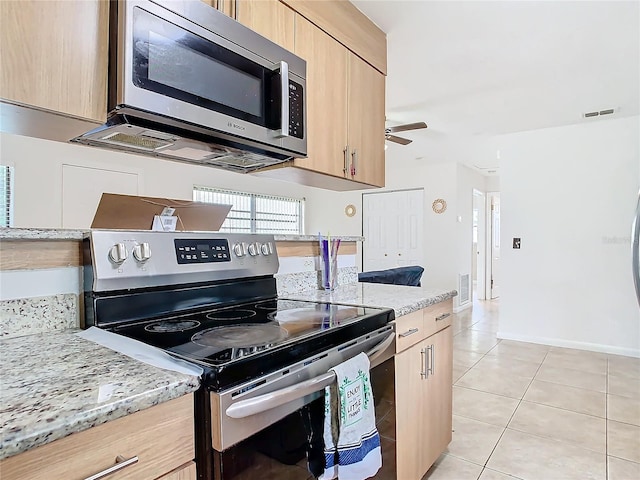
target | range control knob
[
  {"x": 253, "y": 249},
  {"x": 238, "y": 249},
  {"x": 118, "y": 253},
  {"x": 142, "y": 252},
  {"x": 264, "y": 248}
]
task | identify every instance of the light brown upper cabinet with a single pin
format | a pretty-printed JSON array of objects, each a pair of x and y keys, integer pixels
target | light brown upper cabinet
[
  {"x": 345, "y": 109},
  {"x": 269, "y": 18},
  {"x": 365, "y": 122},
  {"x": 53, "y": 55}
]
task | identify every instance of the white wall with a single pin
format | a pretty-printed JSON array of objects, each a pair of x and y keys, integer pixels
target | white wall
[
  {"x": 570, "y": 194},
  {"x": 38, "y": 176}
]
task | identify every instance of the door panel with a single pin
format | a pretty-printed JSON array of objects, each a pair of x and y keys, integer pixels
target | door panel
[
  {"x": 495, "y": 246},
  {"x": 392, "y": 224}
]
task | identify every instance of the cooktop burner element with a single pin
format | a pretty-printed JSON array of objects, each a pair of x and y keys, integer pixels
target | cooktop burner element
[
  {"x": 245, "y": 335},
  {"x": 169, "y": 326},
  {"x": 235, "y": 314}
]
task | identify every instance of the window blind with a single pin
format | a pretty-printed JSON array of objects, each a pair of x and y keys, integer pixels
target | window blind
[
  {"x": 6, "y": 196},
  {"x": 252, "y": 213}
]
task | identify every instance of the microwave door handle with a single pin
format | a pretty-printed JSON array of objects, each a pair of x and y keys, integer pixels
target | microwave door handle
[
  {"x": 283, "y": 68},
  {"x": 262, "y": 403}
]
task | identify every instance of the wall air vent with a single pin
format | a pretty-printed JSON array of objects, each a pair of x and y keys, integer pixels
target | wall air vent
[
  {"x": 608, "y": 111},
  {"x": 464, "y": 288}
]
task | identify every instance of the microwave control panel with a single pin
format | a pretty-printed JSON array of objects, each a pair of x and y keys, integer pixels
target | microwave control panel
[{"x": 296, "y": 110}]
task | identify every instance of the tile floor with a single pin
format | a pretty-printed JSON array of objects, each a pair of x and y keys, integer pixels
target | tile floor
[{"x": 535, "y": 412}]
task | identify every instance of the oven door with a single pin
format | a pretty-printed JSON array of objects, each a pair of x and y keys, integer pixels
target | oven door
[
  {"x": 242, "y": 411},
  {"x": 172, "y": 66}
]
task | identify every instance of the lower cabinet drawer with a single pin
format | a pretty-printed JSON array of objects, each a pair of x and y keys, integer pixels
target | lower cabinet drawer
[
  {"x": 185, "y": 472},
  {"x": 409, "y": 330},
  {"x": 161, "y": 437},
  {"x": 437, "y": 317}
]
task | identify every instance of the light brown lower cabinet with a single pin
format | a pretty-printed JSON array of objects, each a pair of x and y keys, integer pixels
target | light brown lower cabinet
[
  {"x": 185, "y": 472},
  {"x": 160, "y": 437},
  {"x": 423, "y": 391}
]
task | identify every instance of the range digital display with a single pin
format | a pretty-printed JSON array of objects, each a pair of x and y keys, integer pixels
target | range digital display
[{"x": 202, "y": 251}]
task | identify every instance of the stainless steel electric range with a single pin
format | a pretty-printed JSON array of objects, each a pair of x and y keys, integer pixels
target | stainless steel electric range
[{"x": 211, "y": 299}]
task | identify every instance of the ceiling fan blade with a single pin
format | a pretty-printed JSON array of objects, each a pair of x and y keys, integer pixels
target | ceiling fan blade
[
  {"x": 408, "y": 126},
  {"x": 400, "y": 140}
]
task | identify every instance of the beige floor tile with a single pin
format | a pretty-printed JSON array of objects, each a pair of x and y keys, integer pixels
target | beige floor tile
[
  {"x": 473, "y": 440},
  {"x": 562, "y": 425},
  {"x": 448, "y": 467},
  {"x": 623, "y": 441},
  {"x": 570, "y": 398},
  {"x": 623, "y": 409},
  {"x": 482, "y": 406},
  {"x": 520, "y": 352},
  {"x": 458, "y": 372},
  {"x": 624, "y": 386},
  {"x": 536, "y": 458},
  {"x": 577, "y": 360},
  {"x": 509, "y": 365},
  {"x": 486, "y": 326},
  {"x": 494, "y": 382},
  {"x": 527, "y": 345},
  {"x": 622, "y": 469},
  {"x": 466, "y": 358},
  {"x": 488, "y": 474},
  {"x": 475, "y": 341},
  {"x": 573, "y": 378},
  {"x": 622, "y": 366}
]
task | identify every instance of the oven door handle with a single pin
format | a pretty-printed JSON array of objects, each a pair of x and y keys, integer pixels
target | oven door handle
[{"x": 262, "y": 403}]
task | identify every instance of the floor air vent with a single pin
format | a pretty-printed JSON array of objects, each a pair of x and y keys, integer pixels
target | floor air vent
[{"x": 464, "y": 288}]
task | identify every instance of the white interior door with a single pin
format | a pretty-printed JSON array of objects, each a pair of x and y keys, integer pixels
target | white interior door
[
  {"x": 495, "y": 246},
  {"x": 392, "y": 225},
  {"x": 479, "y": 244}
]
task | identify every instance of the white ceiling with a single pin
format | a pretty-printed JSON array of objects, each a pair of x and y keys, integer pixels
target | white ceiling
[{"x": 475, "y": 69}]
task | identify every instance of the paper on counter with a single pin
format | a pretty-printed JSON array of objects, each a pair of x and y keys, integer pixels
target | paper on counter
[{"x": 139, "y": 351}]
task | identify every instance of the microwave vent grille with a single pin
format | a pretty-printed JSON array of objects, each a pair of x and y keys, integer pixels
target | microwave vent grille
[{"x": 136, "y": 141}]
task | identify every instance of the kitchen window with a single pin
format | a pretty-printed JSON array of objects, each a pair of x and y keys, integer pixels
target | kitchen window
[
  {"x": 6, "y": 196},
  {"x": 252, "y": 213}
]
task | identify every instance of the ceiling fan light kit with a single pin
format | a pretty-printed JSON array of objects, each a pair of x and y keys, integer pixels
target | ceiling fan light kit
[{"x": 402, "y": 128}]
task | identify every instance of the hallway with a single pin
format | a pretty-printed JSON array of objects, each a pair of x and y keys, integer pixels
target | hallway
[{"x": 535, "y": 412}]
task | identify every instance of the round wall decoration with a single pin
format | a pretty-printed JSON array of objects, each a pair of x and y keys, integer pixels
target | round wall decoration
[
  {"x": 439, "y": 205},
  {"x": 350, "y": 210}
]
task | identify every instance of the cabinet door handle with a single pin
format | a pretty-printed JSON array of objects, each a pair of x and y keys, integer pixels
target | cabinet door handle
[
  {"x": 443, "y": 316},
  {"x": 235, "y": 9},
  {"x": 423, "y": 368},
  {"x": 346, "y": 159},
  {"x": 409, "y": 332},
  {"x": 120, "y": 464},
  {"x": 431, "y": 362},
  {"x": 354, "y": 158}
]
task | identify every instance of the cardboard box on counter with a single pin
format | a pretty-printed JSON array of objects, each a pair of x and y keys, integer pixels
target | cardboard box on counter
[{"x": 130, "y": 212}]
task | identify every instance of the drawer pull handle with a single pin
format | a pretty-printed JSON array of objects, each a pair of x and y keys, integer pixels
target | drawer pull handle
[
  {"x": 443, "y": 316},
  {"x": 409, "y": 332},
  {"x": 120, "y": 464}
]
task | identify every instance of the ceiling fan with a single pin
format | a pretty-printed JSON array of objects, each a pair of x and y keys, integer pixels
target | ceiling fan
[{"x": 402, "y": 128}]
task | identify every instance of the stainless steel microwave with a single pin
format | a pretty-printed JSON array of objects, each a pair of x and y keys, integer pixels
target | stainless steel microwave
[{"x": 189, "y": 83}]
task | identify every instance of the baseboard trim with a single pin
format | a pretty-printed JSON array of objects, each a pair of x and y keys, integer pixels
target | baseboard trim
[
  {"x": 460, "y": 308},
  {"x": 558, "y": 342}
]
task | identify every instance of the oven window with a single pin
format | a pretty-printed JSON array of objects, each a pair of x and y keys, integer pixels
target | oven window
[{"x": 174, "y": 62}]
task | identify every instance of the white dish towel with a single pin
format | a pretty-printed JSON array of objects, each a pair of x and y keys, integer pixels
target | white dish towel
[{"x": 352, "y": 443}]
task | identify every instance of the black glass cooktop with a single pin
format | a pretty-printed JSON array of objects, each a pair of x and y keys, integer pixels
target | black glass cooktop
[{"x": 243, "y": 341}]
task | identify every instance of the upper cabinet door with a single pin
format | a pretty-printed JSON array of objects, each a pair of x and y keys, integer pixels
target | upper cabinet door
[
  {"x": 366, "y": 122},
  {"x": 269, "y": 18},
  {"x": 326, "y": 98},
  {"x": 54, "y": 55}
]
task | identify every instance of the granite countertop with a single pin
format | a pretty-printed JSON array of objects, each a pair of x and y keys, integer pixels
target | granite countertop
[
  {"x": 402, "y": 299},
  {"x": 56, "y": 384},
  {"x": 62, "y": 234}
]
